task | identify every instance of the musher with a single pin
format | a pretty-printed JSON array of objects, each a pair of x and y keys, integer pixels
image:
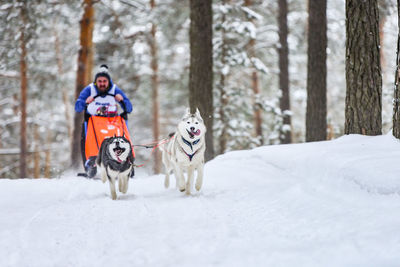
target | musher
[{"x": 99, "y": 97}]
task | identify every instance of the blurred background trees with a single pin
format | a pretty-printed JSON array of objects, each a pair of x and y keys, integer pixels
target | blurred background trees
[{"x": 147, "y": 48}]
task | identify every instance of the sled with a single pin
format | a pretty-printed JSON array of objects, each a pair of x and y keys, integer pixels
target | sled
[{"x": 95, "y": 129}]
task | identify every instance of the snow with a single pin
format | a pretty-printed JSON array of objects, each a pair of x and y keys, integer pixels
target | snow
[
  {"x": 333, "y": 203},
  {"x": 252, "y": 14},
  {"x": 259, "y": 65}
]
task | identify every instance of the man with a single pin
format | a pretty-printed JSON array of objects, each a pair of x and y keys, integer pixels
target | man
[
  {"x": 105, "y": 92},
  {"x": 99, "y": 98}
]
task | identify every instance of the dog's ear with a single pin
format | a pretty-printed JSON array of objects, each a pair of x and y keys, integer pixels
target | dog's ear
[
  {"x": 198, "y": 115},
  {"x": 186, "y": 115}
]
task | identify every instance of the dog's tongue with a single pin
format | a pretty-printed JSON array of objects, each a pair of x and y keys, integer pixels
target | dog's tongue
[
  {"x": 196, "y": 132},
  {"x": 118, "y": 152}
]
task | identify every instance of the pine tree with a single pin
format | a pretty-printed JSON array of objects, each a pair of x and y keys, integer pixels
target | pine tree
[
  {"x": 255, "y": 84},
  {"x": 234, "y": 117},
  {"x": 45, "y": 108},
  {"x": 125, "y": 38},
  {"x": 396, "y": 100},
  {"x": 155, "y": 90},
  {"x": 201, "y": 74},
  {"x": 283, "y": 50},
  {"x": 83, "y": 74},
  {"x": 363, "y": 70},
  {"x": 24, "y": 85},
  {"x": 316, "y": 72}
]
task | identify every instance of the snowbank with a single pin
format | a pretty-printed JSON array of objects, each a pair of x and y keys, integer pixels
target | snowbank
[{"x": 330, "y": 203}]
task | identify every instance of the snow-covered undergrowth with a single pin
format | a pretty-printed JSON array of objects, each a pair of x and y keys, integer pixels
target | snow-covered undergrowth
[{"x": 330, "y": 203}]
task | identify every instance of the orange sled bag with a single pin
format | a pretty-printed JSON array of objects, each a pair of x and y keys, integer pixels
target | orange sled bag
[{"x": 100, "y": 128}]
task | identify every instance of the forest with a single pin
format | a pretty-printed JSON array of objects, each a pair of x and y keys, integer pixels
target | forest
[{"x": 261, "y": 72}]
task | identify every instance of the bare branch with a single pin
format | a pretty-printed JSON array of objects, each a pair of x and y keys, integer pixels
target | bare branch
[
  {"x": 133, "y": 4},
  {"x": 9, "y": 74}
]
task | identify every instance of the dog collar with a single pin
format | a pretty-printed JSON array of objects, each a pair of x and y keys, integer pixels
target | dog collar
[{"x": 191, "y": 144}]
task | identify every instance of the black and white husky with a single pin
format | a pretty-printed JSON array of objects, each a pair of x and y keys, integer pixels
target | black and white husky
[
  {"x": 115, "y": 160},
  {"x": 185, "y": 152}
]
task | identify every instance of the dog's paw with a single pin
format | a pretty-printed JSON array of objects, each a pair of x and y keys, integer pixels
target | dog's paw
[
  {"x": 199, "y": 183},
  {"x": 182, "y": 189},
  {"x": 125, "y": 189},
  {"x": 188, "y": 189},
  {"x": 166, "y": 182}
]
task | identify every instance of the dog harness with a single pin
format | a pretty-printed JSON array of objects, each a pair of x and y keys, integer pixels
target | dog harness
[{"x": 190, "y": 144}]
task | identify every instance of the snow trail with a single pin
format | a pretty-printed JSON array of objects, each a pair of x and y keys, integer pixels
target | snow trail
[{"x": 318, "y": 204}]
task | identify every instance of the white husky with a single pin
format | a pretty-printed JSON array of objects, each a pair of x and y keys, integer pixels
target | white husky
[{"x": 185, "y": 152}]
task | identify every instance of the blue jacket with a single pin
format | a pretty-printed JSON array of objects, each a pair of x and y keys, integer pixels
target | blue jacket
[{"x": 80, "y": 103}]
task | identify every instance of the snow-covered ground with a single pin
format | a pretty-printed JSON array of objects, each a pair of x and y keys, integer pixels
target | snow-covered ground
[{"x": 333, "y": 203}]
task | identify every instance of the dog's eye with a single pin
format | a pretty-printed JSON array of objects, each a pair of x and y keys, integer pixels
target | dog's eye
[
  {"x": 188, "y": 122},
  {"x": 197, "y": 122}
]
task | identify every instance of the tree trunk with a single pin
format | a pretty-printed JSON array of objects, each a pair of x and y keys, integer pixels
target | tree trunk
[
  {"x": 201, "y": 73},
  {"x": 64, "y": 90},
  {"x": 384, "y": 11},
  {"x": 24, "y": 89},
  {"x": 257, "y": 108},
  {"x": 316, "y": 126},
  {"x": 382, "y": 22},
  {"x": 363, "y": 113},
  {"x": 47, "y": 166},
  {"x": 396, "y": 106},
  {"x": 155, "y": 86},
  {"x": 1, "y": 146},
  {"x": 223, "y": 97},
  {"x": 36, "y": 154},
  {"x": 256, "y": 88},
  {"x": 285, "y": 135},
  {"x": 82, "y": 77},
  {"x": 223, "y": 138}
]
